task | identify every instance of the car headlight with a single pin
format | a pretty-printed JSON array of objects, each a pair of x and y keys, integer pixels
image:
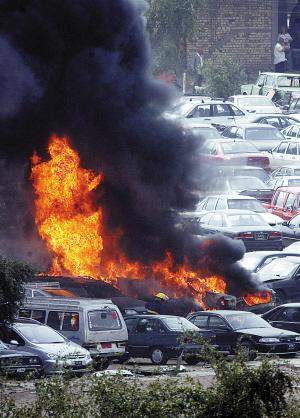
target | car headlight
[
  {"x": 52, "y": 356},
  {"x": 297, "y": 338},
  {"x": 269, "y": 340},
  {"x": 33, "y": 360}
]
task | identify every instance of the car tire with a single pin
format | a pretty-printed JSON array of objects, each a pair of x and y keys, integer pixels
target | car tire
[
  {"x": 158, "y": 356},
  {"x": 101, "y": 364},
  {"x": 192, "y": 360},
  {"x": 247, "y": 350}
]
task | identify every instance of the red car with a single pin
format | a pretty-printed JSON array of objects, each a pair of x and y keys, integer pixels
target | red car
[
  {"x": 233, "y": 152},
  {"x": 285, "y": 202}
]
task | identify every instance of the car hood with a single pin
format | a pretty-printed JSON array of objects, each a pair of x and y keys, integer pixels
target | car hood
[
  {"x": 61, "y": 349},
  {"x": 267, "y": 332}
]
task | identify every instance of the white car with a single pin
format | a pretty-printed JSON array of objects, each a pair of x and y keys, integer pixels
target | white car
[
  {"x": 284, "y": 181},
  {"x": 254, "y": 104},
  {"x": 291, "y": 132},
  {"x": 202, "y": 130},
  {"x": 286, "y": 153},
  {"x": 213, "y": 112}
]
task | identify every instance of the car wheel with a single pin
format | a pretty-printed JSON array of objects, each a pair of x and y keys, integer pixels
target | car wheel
[
  {"x": 101, "y": 364},
  {"x": 247, "y": 350},
  {"x": 158, "y": 356},
  {"x": 192, "y": 360}
]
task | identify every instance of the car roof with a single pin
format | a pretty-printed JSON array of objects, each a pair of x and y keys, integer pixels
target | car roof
[
  {"x": 226, "y": 313},
  {"x": 293, "y": 189},
  {"x": 153, "y": 316},
  {"x": 256, "y": 96},
  {"x": 232, "y": 212},
  {"x": 254, "y": 125},
  {"x": 232, "y": 196},
  {"x": 229, "y": 140}
]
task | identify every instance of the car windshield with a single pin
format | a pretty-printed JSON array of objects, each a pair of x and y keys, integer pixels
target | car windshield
[
  {"x": 254, "y": 101},
  {"x": 278, "y": 269},
  {"x": 245, "y": 220},
  {"x": 246, "y": 204},
  {"x": 177, "y": 323},
  {"x": 207, "y": 133},
  {"x": 104, "y": 320},
  {"x": 263, "y": 134},
  {"x": 238, "y": 147},
  {"x": 246, "y": 183},
  {"x": 286, "y": 81},
  {"x": 40, "y": 334},
  {"x": 246, "y": 321}
]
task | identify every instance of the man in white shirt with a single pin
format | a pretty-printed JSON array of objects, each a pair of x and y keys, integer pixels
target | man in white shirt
[
  {"x": 198, "y": 66},
  {"x": 279, "y": 56},
  {"x": 284, "y": 34}
]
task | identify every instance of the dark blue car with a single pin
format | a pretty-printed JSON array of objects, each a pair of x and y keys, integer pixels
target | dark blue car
[{"x": 158, "y": 337}]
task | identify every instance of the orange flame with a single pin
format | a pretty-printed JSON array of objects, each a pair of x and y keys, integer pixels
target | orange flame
[
  {"x": 70, "y": 223},
  {"x": 258, "y": 298}
]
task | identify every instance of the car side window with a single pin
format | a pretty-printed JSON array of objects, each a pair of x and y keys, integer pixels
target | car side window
[
  {"x": 235, "y": 111},
  {"x": 270, "y": 81},
  {"x": 293, "y": 131},
  {"x": 70, "y": 321},
  {"x": 221, "y": 110},
  {"x": 292, "y": 148},
  {"x": 230, "y": 132},
  {"x": 217, "y": 322},
  {"x": 288, "y": 315},
  {"x": 211, "y": 202},
  {"x": 261, "y": 80},
  {"x": 54, "y": 319},
  {"x": 39, "y": 315},
  {"x": 274, "y": 122},
  {"x": 282, "y": 148},
  {"x": 202, "y": 205},
  {"x": 200, "y": 321},
  {"x": 221, "y": 204},
  {"x": 24, "y": 313},
  {"x": 279, "y": 200},
  {"x": 290, "y": 201},
  {"x": 130, "y": 324},
  {"x": 200, "y": 111}
]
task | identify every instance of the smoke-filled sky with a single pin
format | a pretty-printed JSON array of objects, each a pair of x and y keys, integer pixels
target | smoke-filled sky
[{"x": 81, "y": 68}]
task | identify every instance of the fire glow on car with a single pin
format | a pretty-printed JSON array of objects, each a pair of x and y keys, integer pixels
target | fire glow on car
[{"x": 70, "y": 221}]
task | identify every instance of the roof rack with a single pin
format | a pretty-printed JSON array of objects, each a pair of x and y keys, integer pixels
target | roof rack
[
  {"x": 38, "y": 285},
  {"x": 62, "y": 303}
]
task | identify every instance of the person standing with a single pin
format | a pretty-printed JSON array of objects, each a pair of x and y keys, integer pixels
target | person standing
[
  {"x": 284, "y": 34},
  {"x": 279, "y": 56},
  {"x": 198, "y": 66}
]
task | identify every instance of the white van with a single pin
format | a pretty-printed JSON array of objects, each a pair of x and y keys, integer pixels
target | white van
[{"x": 95, "y": 324}]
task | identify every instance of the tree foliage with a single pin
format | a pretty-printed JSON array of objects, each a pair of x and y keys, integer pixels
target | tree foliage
[
  {"x": 223, "y": 77},
  {"x": 170, "y": 23},
  {"x": 12, "y": 276}
]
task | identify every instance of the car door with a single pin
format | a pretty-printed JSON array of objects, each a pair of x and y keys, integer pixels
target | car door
[
  {"x": 278, "y": 204},
  {"x": 201, "y": 113},
  {"x": 291, "y": 154},
  {"x": 226, "y": 338},
  {"x": 144, "y": 336},
  {"x": 286, "y": 318},
  {"x": 221, "y": 114}
]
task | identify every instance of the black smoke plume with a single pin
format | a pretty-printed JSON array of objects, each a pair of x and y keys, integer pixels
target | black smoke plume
[{"x": 81, "y": 68}]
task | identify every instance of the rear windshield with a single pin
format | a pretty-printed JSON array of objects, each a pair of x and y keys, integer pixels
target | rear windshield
[
  {"x": 179, "y": 324},
  {"x": 104, "y": 320},
  {"x": 245, "y": 220},
  {"x": 246, "y": 183},
  {"x": 238, "y": 147},
  {"x": 263, "y": 134},
  {"x": 245, "y": 204}
]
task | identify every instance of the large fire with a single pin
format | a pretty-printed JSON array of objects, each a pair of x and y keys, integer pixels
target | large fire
[{"x": 70, "y": 222}]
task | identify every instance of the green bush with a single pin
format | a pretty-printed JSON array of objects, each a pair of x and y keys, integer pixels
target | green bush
[
  {"x": 223, "y": 77},
  {"x": 238, "y": 392}
]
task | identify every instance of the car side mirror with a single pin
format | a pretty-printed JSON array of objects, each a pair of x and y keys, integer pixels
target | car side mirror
[{"x": 14, "y": 342}]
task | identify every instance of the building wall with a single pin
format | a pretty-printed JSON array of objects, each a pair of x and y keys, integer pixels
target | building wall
[{"x": 244, "y": 29}]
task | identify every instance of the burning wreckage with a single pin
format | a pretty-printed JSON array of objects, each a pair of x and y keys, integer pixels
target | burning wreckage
[{"x": 80, "y": 69}]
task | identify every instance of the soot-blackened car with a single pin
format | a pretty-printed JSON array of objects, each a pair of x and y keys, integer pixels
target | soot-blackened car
[
  {"x": 245, "y": 330},
  {"x": 285, "y": 316},
  {"x": 158, "y": 337},
  {"x": 13, "y": 362}
]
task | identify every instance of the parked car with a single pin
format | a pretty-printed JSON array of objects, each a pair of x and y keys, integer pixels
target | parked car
[
  {"x": 243, "y": 170},
  {"x": 254, "y": 261},
  {"x": 247, "y": 331},
  {"x": 292, "y": 105},
  {"x": 254, "y": 103},
  {"x": 201, "y": 130},
  {"x": 95, "y": 324},
  {"x": 290, "y": 230},
  {"x": 285, "y": 171},
  {"x": 246, "y": 226},
  {"x": 284, "y": 181},
  {"x": 240, "y": 202},
  {"x": 264, "y": 137},
  {"x": 283, "y": 276},
  {"x": 286, "y": 153},
  {"x": 285, "y": 202},
  {"x": 279, "y": 121},
  {"x": 14, "y": 362},
  {"x": 278, "y": 83},
  {"x": 216, "y": 113},
  {"x": 55, "y": 351},
  {"x": 242, "y": 185},
  {"x": 233, "y": 152},
  {"x": 285, "y": 316},
  {"x": 158, "y": 338},
  {"x": 291, "y": 132}
]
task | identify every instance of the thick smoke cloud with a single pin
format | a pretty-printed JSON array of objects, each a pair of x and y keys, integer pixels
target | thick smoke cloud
[{"x": 83, "y": 68}]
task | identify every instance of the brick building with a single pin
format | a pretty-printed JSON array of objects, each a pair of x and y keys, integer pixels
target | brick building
[{"x": 245, "y": 29}]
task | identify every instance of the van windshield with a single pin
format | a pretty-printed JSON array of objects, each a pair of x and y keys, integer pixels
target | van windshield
[{"x": 104, "y": 320}]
